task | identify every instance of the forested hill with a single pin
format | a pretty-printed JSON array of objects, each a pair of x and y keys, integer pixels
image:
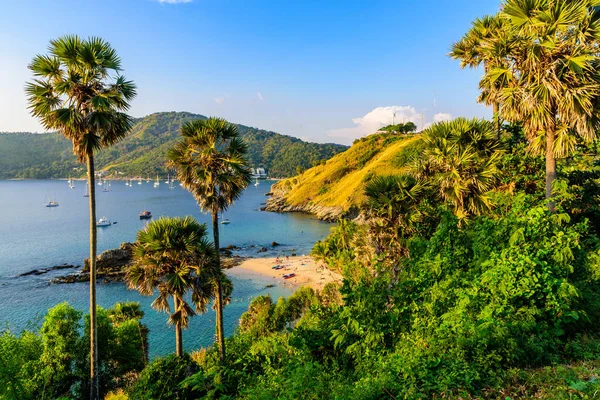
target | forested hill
[{"x": 142, "y": 153}]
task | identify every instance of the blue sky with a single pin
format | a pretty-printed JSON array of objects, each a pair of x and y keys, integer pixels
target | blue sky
[{"x": 319, "y": 70}]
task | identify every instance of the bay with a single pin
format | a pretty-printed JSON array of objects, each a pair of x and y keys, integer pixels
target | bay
[{"x": 33, "y": 236}]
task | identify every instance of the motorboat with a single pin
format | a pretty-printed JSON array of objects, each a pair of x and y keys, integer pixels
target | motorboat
[
  {"x": 225, "y": 221},
  {"x": 145, "y": 214},
  {"x": 103, "y": 222}
]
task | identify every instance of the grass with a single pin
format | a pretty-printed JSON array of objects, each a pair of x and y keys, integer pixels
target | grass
[{"x": 341, "y": 180}]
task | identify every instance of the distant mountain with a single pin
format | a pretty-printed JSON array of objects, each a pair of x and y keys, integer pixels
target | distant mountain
[{"x": 142, "y": 153}]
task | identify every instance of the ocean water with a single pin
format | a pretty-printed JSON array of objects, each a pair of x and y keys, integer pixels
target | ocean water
[{"x": 33, "y": 236}]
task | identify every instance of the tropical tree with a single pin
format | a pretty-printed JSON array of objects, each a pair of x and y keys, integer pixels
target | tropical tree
[
  {"x": 394, "y": 210},
  {"x": 78, "y": 90},
  {"x": 460, "y": 164},
  {"x": 173, "y": 256},
  {"x": 549, "y": 77},
  {"x": 211, "y": 163},
  {"x": 484, "y": 43}
]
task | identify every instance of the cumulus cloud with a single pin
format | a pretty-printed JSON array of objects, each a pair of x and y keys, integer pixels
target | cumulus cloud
[
  {"x": 439, "y": 117},
  {"x": 379, "y": 117},
  {"x": 260, "y": 97}
]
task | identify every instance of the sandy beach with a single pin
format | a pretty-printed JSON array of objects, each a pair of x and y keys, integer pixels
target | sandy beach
[{"x": 307, "y": 271}]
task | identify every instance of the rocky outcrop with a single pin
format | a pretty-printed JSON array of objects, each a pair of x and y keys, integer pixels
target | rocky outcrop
[
  {"x": 111, "y": 266},
  {"x": 278, "y": 203},
  {"x": 42, "y": 271}
]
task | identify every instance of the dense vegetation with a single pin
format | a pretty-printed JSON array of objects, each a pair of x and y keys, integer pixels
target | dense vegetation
[
  {"x": 143, "y": 152},
  {"x": 474, "y": 271}
]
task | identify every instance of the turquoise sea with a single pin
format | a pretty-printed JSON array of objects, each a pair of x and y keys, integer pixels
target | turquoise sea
[{"x": 33, "y": 236}]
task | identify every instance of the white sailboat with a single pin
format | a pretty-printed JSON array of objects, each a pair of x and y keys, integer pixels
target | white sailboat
[
  {"x": 105, "y": 186},
  {"x": 140, "y": 181},
  {"x": 87, "y": 190},
  {"x": 157, "y": 183},
  {"x": 51, "y": 203},
  {"x": 71, "y": 183},
  {"x": 168, "y": 180},
  {"x": 256, "y": 183}
]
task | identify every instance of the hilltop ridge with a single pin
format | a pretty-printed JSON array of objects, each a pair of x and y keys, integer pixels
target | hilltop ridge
[
  {"x": 142, "y": 153},
  {"x": 334, "y": 188}
]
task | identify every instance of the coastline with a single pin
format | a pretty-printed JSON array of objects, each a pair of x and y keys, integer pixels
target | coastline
[{"x": 308, "y": 272}]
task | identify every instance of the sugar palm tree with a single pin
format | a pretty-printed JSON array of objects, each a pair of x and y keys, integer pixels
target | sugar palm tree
[
  {"x": 484, "y": 44},
  {"x": 460, "y": 163},
  {"x": 173, "y": 256},
  {"x": 550, "y": 75},
  {"x": 79, "y": 92},
  {"x": 394, "y": 209},
  {"x": 211, "y": 164}
]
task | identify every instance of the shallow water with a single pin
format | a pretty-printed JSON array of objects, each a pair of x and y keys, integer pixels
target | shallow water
[{"x": 33, "y": 236}]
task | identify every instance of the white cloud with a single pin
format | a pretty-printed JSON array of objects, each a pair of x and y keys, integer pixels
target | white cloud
[
  {"x": 382, "y": 116},
  {"x": 174, "y": 1},
  {"x": 260, "y": 97},
  {"x": 221, "y": 100},
  {"x": 439, "y": 117}
]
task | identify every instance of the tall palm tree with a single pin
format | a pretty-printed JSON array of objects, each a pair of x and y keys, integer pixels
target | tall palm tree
[
  {"x": 211, "y": 164},
  {"x": 550, "y": 75},
  {"x": 460, "y": 163},
  {"x": 484, "y": 43},
  {"x": 173, "y": 256},
  {"x": 78, "y": 91}
]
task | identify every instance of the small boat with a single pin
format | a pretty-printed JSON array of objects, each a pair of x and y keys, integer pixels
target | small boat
[
  {"x": 256, "y": 183},
  {"x": 87, "y": 190},
  {"x": 51, "y": 203},
  {"x": 157, "y": 183},
  {"x": 288, "y": 276},
  {"x": 140, "y": 181},
  {"x": 103, "y": 222},
  {"x": 225, "y": 221},
  {"x": 100, "y": 181},
  {"x": 105, "y": 187},
  {"x": 168, "y": 179},
  {"x": 145, "y": 214}
]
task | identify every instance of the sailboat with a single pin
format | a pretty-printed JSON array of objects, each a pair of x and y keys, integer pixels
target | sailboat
[
  {"x": 168, "y": 179},
  {"x": 100, "y": 181},
  {"x": 51, "y": 203},
  {"x": 140, "y": 181},
  {"x": 71, "y": 183},
  {"x": 256, "y": 183},
  {"x": 157, "y": 183},
  {"x": 105, "y": 186},
  {"x": 87, "y": 190},
  {"x": 224, "y": 221}
]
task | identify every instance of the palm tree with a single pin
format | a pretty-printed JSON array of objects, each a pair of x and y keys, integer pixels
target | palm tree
[
  {"x": 211, "y": 164},
  {"x": 550, "y": 75},
  {"x": 173, "y": 256},
  {"x": 78, "y": 91},
  {"x": 460, "y": 163},
  {"x": 484, "y": 43},
  {"x": 394, "y": 210}
]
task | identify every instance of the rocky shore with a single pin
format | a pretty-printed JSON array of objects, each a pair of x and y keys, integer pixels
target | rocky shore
[
  {"x": 277, "y": 203},
  {"x": 112, "y": 265}
]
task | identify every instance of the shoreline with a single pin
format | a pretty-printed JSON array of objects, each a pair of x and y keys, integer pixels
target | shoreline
[{"x": 308, "y": 272}]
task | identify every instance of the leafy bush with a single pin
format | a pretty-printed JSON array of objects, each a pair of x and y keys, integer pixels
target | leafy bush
[{"x": 162, "y": 377}]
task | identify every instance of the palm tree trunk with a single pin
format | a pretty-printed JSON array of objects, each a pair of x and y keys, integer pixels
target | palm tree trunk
[
  {"x": 94, "y": 386},
  {"x": 550, "y": 166},
  {"x": 178, "y": 338},
  {"x": 497, "y": 119},
  {"x": 219, "y": 294}
]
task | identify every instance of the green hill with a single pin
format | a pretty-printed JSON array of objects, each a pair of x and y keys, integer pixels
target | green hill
[
  {"x": 142, "y": 153},
  {"x": 335, "y": 187}
]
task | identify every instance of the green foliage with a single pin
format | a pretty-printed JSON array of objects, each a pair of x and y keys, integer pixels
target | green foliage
[
  {"x": 54, "y": 362},
  {"x": 162, "y": 378}
]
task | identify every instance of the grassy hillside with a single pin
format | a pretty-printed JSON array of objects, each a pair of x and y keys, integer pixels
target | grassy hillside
[
  {"x": 339, "y": 182},
  {"x": 142, "y": 153}
]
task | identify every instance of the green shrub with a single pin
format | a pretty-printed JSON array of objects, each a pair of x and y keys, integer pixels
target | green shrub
[{"x": 162, "y": 378}]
